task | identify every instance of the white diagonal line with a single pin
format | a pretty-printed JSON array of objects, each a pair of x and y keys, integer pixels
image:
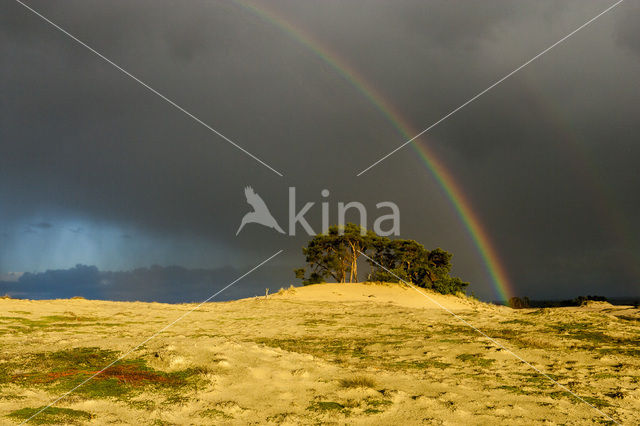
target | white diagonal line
[
  {"x": 492, "y": 340},
  {"x": 146, "y": 86},
  {"x": 155, "y": 334},
  {"x": 491, "y": 86}
]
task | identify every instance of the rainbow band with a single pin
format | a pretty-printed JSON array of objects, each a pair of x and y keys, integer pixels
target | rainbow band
[{"x": 462, "y": 206}]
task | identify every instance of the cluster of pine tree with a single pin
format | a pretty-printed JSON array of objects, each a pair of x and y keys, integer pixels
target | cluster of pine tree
[{"x": 334, "y": 256}]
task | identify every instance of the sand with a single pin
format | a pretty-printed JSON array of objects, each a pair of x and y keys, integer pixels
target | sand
[{"x": 330, "y": 353}]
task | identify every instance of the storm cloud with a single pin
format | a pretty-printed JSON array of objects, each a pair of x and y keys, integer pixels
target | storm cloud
[
  {"x": 169, "y": 284},
  {"x": 547, "y": 160}
]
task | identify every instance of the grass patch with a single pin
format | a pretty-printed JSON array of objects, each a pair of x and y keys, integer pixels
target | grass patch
[
  {"x": 456, "y": 330},
  {"x": 587, "y": 332},
  {"x": 214, "y": 413},
  {"x": 143, "y": 405},
  {"x": 358, "y": 382},
  {"x": 52, "y": 415},
  {"x": 11, "y": 397},
  {"x": 177, "y": 399},
  {"x": 605, "y": 376},
  {"x": 325, "y": 348},
  {"x": 315, "y": 322},
  {"x": 596, "y": 402},
  {"x": 476, "y": 359},
  {"x": 418, "y": 364},
  {"x": 540, "y": 381},
  {"x": 517, "y": 321},
  {"x": 571, "y": 326},
  {"x": 281, "y": 417},
  {"x": 600, "y": 403},
  {"x": 50, "y": 322},
  {"x": 454, "y": 341},
  {"x": 615, "y": 395},
  {"x": 325, "y": 406},
  {"x": 622, "y": 317},
  {"x": 373, "y": 351},
  {"x": 513, "y": 389},
  {"x": 632, "y": 352},
  {"x": 63, "y": 370},
  {"x": 378, "y": 402},
  {"x": 68, "y": 317}
]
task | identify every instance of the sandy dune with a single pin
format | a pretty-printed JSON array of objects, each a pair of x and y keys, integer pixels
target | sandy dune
[
  {"x": 401, "y": 295},
  {"x": 334, "y": 353}
]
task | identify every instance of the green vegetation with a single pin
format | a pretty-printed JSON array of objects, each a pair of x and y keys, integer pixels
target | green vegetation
[
  {"x": 514, "y": 389},
  {"x": 329, "y": 348},
  {"x": 315, "y": 322},
  {"x": 326, "y": 406},
  {"x": 523, "y": 303},
  {"x": 517, "y": 321},
  {"x": 52, "y": 415},
  {"x": 600, "y": 403},
  {"x": 63, "y": 370},
  {"x": 379, "y": 402},
  {"x": 50, "y": 323},
  {"x": 334, "y": 256},
  {"x": 518, "y": 303},
  {"x": 615, "y": 395},
  {"x": 597, "y": 339},
  {"x": 628, "y": 318},
  {"x": 476, "y": 359},
  {"x": 143, "y": 405},
  {"x": 376, "y": 406},
  {"x": 418, "y": 365},
  {"x": 370, "y": 351}
]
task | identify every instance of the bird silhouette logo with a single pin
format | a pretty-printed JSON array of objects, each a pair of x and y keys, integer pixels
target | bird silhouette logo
[{"x": 260, "y": 213}]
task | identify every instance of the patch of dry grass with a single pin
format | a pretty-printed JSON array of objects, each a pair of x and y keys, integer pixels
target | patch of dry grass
[{"x": 358, "y": 382}]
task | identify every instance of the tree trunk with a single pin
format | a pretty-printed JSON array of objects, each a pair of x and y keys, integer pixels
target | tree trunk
[
  {"x": 355, "y": 252},
  {"x": 355, "y": 268}
]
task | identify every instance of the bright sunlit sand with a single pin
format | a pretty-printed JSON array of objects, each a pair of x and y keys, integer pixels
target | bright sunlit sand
[{"x": 331, "y": 353}]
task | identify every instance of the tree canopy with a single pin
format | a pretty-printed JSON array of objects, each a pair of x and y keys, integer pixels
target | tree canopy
[{"x": 334, "y": 256}]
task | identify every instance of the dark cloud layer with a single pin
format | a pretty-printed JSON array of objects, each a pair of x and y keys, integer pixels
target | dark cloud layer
[
  {"x": 171, "y": 284},
  {"x": 547, "y": 160}
]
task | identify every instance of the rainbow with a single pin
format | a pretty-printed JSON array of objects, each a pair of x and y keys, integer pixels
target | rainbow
[{"x": 444, "y": 178}]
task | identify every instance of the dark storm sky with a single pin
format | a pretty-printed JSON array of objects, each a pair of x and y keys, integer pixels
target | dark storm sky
[{"x": 96, "y": 170}]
